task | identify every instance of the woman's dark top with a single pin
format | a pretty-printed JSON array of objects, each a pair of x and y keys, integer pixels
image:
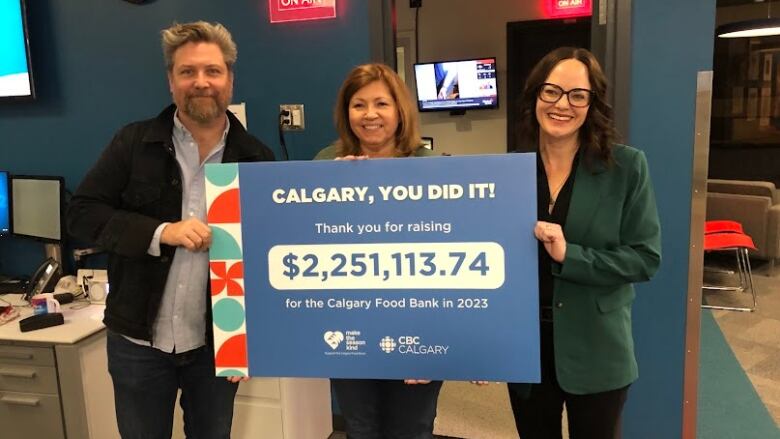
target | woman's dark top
[{"x": 558, "y": 216}]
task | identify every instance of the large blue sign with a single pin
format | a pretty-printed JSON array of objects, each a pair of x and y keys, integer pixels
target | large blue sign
[{"x": 398, "y": 268}]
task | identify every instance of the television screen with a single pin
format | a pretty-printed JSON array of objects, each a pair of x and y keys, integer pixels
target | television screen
[
  {"x": 36, "y": 207},
  {"x": 5, "y": 217},
  {"x": 456, "y": 85},
  {"x": 15, "y": 73}
]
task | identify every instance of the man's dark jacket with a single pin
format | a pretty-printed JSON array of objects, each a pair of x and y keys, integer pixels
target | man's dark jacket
[{"x": 133, "y": 188}]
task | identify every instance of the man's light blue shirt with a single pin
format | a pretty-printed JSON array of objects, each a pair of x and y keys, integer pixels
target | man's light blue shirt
[{"x": 181, "y": 320}]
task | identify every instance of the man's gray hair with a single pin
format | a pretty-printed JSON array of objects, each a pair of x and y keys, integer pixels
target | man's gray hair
[{"x": 198, "y": 32}]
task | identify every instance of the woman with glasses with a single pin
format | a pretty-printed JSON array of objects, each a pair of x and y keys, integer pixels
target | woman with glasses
[{"x": 598, "y": 233}]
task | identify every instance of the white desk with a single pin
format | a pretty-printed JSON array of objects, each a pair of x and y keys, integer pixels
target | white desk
[
  {"x": 54, "y": 382},
  {"x": 66, "y": 366},
  {"x": 79, "y": 323}
]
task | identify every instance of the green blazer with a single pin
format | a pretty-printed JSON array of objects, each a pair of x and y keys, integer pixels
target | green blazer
[{"x": 613, "y": 239}]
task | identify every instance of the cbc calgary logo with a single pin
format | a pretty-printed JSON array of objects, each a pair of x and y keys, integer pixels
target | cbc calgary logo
[
  {"x": 411, "y": 345},
  {"x": 387, "y": 344}
]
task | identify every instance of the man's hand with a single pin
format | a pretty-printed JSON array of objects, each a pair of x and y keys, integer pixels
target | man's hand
[
  {"x": 410, "y": 381},
  {"x": 191, "y": 234}
]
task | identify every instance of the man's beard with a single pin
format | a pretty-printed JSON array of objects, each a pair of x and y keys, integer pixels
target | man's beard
[{"x": 204, "y": 108}]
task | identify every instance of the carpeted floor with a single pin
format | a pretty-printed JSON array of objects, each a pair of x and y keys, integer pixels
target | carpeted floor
[
  {"x": 729, "y": 406},
  {"x": 739, "y": 385},
  {"x": 739, "y": 377},
  {"x": 754, "y": 340},
  {"x": 469, "y": 411}
]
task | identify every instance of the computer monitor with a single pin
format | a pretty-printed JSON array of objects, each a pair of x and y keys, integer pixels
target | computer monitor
[
  {"x": 37, "y": 203},
  {"x": 5, "y": 205}
]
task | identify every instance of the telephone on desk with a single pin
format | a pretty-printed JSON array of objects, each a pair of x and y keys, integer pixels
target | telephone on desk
[{"x": 42, "y": 281}]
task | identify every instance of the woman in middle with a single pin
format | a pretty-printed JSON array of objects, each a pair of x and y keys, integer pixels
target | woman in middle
[{"x": 376, "y": 118}]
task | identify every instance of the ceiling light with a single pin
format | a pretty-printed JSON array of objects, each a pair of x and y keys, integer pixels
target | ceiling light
[{"x": 761, "y": 27}]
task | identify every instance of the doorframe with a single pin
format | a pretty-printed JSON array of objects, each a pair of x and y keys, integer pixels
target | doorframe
[{"x": 610, "y": 42}]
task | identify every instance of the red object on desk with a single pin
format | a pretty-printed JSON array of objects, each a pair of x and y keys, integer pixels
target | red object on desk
[{"x": 8, "y": 313}]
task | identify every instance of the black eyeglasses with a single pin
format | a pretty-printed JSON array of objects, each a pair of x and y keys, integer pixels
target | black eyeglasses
[{"x": 578, "y": 97}]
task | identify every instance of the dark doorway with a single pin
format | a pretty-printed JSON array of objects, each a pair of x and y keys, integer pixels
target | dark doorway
[
  {"x": 745, "y": 121},
  {"x": 526, "y": 43}
]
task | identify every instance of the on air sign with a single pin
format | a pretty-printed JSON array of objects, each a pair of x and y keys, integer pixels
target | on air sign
[
  {"x": 567, "y": 8},
  {"x": 301, "y": 10}
]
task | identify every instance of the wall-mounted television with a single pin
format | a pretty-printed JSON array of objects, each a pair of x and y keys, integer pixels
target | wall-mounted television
[
  {"x": 16, "y": 80},
  {"x": 37, "y": 204},
  {"x": 456, "y": 85}
]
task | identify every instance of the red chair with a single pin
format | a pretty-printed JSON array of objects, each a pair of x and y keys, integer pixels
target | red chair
[
  {"x": 739, "y": 243},
  {"x": 722, "y": 226}
]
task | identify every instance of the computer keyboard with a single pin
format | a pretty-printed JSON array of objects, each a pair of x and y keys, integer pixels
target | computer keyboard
[{"x": 12, "y": 286}]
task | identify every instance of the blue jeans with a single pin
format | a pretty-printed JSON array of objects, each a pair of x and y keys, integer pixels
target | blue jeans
[
  {"x": 146, "y": 381},
  {"x": 387, "y": 409}
]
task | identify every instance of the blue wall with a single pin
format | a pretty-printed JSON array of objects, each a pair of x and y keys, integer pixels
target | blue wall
[
  {"x": 98, "y": 65},
  {"x": 671, "y": 42}
]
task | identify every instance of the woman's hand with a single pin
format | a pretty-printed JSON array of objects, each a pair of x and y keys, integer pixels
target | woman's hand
[
  {"x": 408, "y": 381},
  {"x": 551, "y": 235},
  {"x": 237, "y": 379},
  {"x": 352, "y": 157}
]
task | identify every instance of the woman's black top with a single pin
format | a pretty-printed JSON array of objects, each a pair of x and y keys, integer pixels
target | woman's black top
[{"x": 557, "y": 216}]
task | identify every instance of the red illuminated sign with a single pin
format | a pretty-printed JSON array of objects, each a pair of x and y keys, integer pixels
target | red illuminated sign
[
  {"x": 301, "y": 10},
  {"x": 567, "y": 8}
]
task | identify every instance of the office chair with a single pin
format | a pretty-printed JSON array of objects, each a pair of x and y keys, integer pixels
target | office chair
[
  {"x": 730, "y": 239},
  {"x": 722, "y": 226}
]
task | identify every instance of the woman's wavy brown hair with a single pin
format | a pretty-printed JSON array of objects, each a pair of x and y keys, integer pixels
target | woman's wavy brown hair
[
  {"x": 407, "y": 136},
  {"x": 598, "y": 133}
]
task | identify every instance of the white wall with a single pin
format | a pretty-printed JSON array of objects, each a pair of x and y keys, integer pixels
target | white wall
[{"x": 460, "y": 29}]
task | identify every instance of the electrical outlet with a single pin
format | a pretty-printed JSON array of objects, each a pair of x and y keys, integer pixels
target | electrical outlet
[
  {"x": 239, "y": 110},
  {"x": 291, "y": 117}
]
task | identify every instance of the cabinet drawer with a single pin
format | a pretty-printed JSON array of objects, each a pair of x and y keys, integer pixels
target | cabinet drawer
[
  {"x": 26, "y": 355},
  {"x": 31, "y": 415},
  {"x": 23, "y": 378}
]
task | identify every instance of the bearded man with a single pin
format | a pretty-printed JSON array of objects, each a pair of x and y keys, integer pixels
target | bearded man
[{"x": 144, "y": 202}]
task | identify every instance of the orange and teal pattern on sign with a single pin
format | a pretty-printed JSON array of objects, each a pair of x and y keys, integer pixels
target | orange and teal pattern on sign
[{"x": 227, "y": 270}]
